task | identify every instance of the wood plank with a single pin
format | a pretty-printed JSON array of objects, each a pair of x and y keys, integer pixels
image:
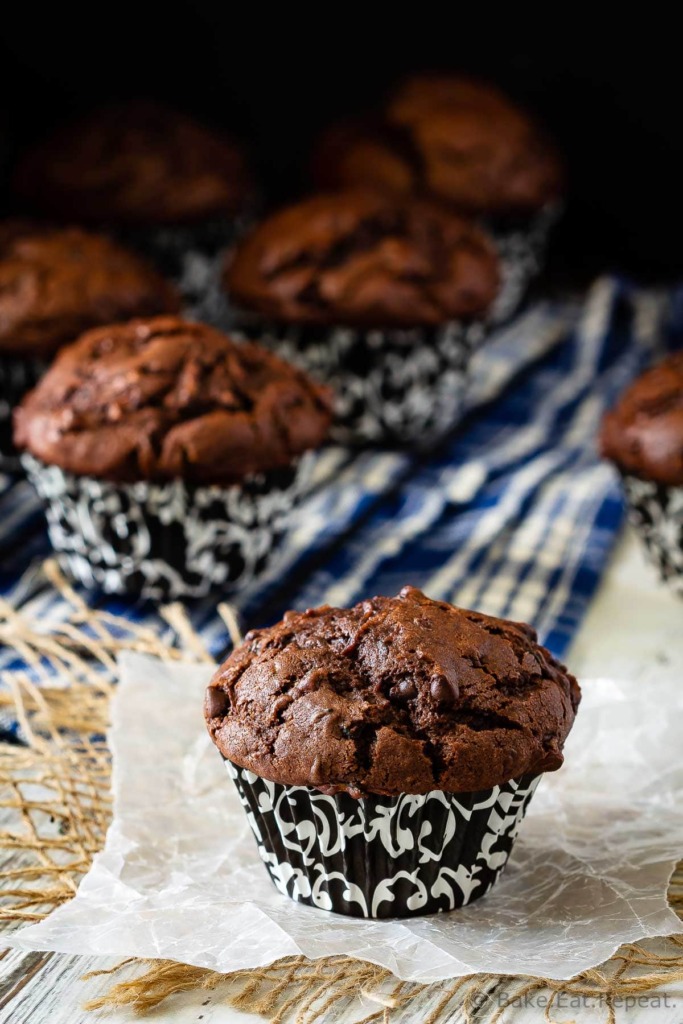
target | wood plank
[{"x": 21, "y": 975}]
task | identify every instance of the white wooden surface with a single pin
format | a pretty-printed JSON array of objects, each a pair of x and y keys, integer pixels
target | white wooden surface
[{"x": 633, "y": 630}]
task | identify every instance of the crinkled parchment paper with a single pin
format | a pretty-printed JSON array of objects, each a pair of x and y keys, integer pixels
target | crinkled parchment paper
[{"x": 180, "y": 878}]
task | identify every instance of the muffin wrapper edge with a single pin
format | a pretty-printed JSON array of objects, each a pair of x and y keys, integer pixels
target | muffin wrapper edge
[
  {"x": 166, "y": 540},
  {"x": 656, "y": 512},
  {"x": 521, "y": 250},
  {"x": 383, "y": 857},
  {"x": 191, "y": 255}
]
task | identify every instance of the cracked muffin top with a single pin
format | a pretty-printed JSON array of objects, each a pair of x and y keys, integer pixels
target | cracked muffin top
[
  {"x": 56, "y": 283},
  {"x": 643, "y": 434},
  {"x": 360, "y": 259},
  {"x": 396, "y": 695},
  {"x": 139, "y": 163},
  {"x": 165, "y": 398},
  {"x": 450, "y": 138}
]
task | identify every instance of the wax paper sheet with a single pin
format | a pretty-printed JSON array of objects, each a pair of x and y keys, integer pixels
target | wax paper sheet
[{"x": 179, "y": 877}]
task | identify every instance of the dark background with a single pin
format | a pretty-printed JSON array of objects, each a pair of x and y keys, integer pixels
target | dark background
[{"x": 612, "y": 97}]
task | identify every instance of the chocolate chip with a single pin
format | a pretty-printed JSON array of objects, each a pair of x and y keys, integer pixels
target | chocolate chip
[
  {"x": 217, "y": 702},
  {"x": 405, "y": 689},
  {"x": 552, "y": 761},
  {"x": 444, "y": 692}
]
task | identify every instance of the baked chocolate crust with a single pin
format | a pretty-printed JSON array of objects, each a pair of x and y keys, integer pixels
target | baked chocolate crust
[
  {"x": 134, "y": 164},
  {"x": 396, "y": 695},
  {"x": 447, "y": 138},
  {"x": 643, "y": 434},
  {"x": 56, "y": 283},
  {"x": 165, "y": 398},
  {"x": 358, "y": 259}
]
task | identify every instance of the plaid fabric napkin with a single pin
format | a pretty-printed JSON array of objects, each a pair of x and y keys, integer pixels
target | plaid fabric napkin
[{"x": 515, "y": 515}]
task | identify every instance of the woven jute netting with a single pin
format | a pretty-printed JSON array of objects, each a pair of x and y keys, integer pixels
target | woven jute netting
[{"x": 55, "y": 807}]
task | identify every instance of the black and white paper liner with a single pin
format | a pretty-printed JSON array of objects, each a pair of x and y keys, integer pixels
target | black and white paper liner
[
  {"x": 383, "y": 857},
  {"x": 192, "y": 256},
  {"x": 656, "y": 512},
  {"x": 521, "y": 250},
  {"x": 166, "y": 540},
  {"x": 17, "y": 376},
  {"x": 391, "y": 387}
]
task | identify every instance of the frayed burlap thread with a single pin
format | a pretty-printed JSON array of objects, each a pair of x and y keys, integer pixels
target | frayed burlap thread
[
  {"x": 55, "y": 809},
  {"x": 300, "y": 991},
  {"x": 55, "y": 802}
]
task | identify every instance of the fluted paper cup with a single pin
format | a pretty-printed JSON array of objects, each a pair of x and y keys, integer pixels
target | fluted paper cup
[
  {"x": 166, "y": 540},
  {"x": 401, "y": 387},
  {"x": 381, "y": 856},
  {"x": 522, "y": 244},
  {"x": 656, "y": 512}
]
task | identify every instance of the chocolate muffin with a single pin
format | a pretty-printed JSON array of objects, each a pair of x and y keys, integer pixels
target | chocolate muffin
[
  {"x": 406, "y": 734},
  {"x": 449, "y": 138},
  {"x": 464, "y": 143},
  {"x": 360, "y": 260},
  {"x": 168, "y": 455},
  {"x": 168, "y": 184},
  {"x": 54, "y": 284},
  {"x": 643, "y": 436},
  {"x": 383, "y": 299}
]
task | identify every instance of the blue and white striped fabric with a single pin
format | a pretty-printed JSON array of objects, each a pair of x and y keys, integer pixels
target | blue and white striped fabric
[{"x": 515, "y": 515}]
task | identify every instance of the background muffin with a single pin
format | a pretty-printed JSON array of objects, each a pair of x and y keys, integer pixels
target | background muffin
[
  {"x": 463, "y": 143},
  {"x": 168, "y": 456},
  {"x": 373, "y": 722},
  {"x": 383, "y": 299},
  {"x": 54, "y": 284},
  {"x": 643, "y": 436},
  {"x": 168, "y": 184}
]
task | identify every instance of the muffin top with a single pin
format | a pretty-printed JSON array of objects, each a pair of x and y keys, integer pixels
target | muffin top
[
  {"x": 138, "y": 164},
  {"x": 643, "y": 434},
  {"x": 164, "y": 398},
  {"x": 55, "y": 283},
  {"x": 421, "y": 94},
  {"x": 361, "y": 259},
  {"x": 395, "y": 695},
  {"x": 453, "y": 139}
]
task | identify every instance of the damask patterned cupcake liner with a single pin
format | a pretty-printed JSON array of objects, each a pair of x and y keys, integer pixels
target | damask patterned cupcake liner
[
  {"x": 383, "y": 857},
  {"x": 656, "y": 512},
  {"x": 166, "y": 540},
  {"x": 521, "y": 249},
  {"x": 17, "y": 376},
  {"x": 391, "y": 387}
]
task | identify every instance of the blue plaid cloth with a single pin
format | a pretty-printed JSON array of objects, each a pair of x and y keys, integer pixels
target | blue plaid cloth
[{"x": 515, "y": 515}]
